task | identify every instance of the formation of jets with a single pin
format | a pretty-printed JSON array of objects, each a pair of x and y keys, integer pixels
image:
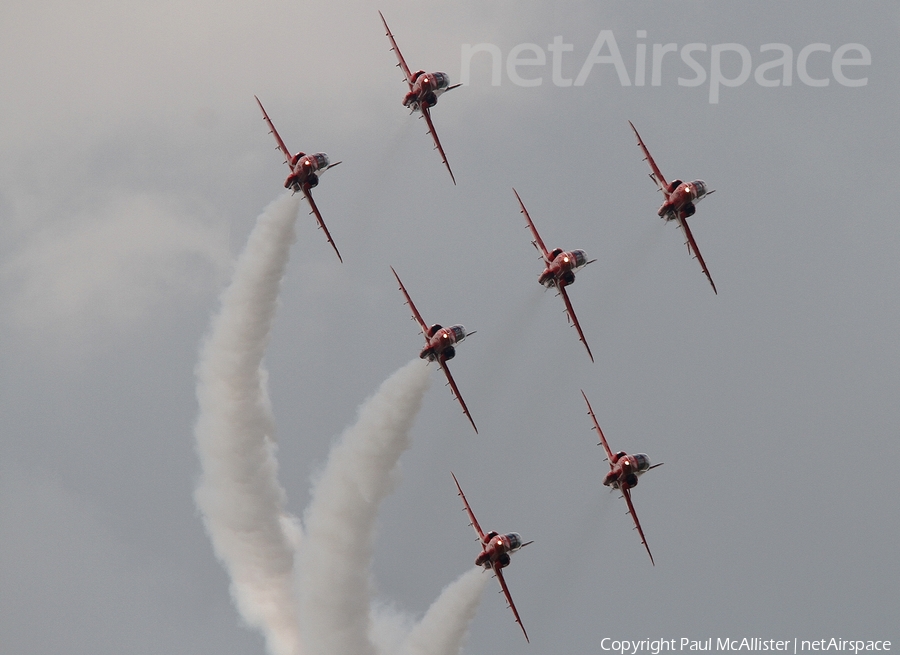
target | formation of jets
[{"x": 560, "y": 266}]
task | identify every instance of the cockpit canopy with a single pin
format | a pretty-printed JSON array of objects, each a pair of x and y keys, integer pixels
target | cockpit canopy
[
  {"x": 642, "y": 461},
  {"x": 580, "y": 258},
  {"x": 700, "y": 189},
  {"x": 459, "y": 332},
  {"x": 515, "y": 540},
  {"x": 440, "y": 80},
  {"x": 321, "y": 160}
]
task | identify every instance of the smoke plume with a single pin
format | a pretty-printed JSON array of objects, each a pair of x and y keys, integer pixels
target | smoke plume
[
  {"x": 340, "y": 521},
  {"x": 444, "y": 627},
  {"x": 313, "y": 580},
  {"x": 239, "y": 496}
]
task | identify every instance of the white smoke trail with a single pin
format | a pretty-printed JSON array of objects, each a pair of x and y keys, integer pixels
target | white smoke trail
[
  {"x": 444, "y": 627},
  {"x": 243, "y": 504},
  {"x": 339, "y": 524},
  {"x": 238, "y": 495}
]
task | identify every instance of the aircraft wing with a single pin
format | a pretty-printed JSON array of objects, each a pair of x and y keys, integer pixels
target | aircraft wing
[
  {"x": 599, "y": 431},
  {"x": 472, "y": 520},
  {"x": 657, "y": 176},
  {"x": 626, "y": 493},
  {"x": 416, "y": 315},
  {"x": 274, "y": 132},
  {"x": 315, "y": 210},
  {"x": 443, "y": 364},
  {"x": 437, "y": 142},
  {"x": 574, "y": 319},
  {"x": 498, "y": 572},
  {"x": 538, "y": 242},
  {"x": 692, "y": 247},
  {"x": 402, "y": 63}
]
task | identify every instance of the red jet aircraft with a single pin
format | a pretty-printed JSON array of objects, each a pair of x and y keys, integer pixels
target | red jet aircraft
[
  {"x": 305, "y": 172},
  {"x": 560, "y": 270},
  {"x": 495, "y": 553},
  {"x": 424, "y": 89},
  {"x": 624, "y": 470},
  {"x": 680, "y": 204},
  {"x": 439, "y": 345}
]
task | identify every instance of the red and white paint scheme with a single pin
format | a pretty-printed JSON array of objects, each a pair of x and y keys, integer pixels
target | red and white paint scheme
[
  {"x": 305, "y": 173},
  {"x": 424, "y": 89},
  {"x": 440, "y": 346},
  {"x": 680, "y": 204},
  {"x": 559, "y": 271},
  {"x": 624, "y": 471},
  {"x": 495, "y": 552}
]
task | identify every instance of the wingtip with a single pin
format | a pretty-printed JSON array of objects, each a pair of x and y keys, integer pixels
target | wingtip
[
  {"x": 528, "y": 225},
  {"x": 336, "y": 251},
  {"x": 458, "y": 488},
  {"x": 649, "y": 553},
  {"x": 465, "y": 410}
]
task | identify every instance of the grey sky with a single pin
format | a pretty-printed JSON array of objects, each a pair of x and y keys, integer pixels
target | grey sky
[{"x": 135, "y": 163}]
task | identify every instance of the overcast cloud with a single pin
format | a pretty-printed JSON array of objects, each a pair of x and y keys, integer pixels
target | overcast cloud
[{"x": 136, "y": 162}]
